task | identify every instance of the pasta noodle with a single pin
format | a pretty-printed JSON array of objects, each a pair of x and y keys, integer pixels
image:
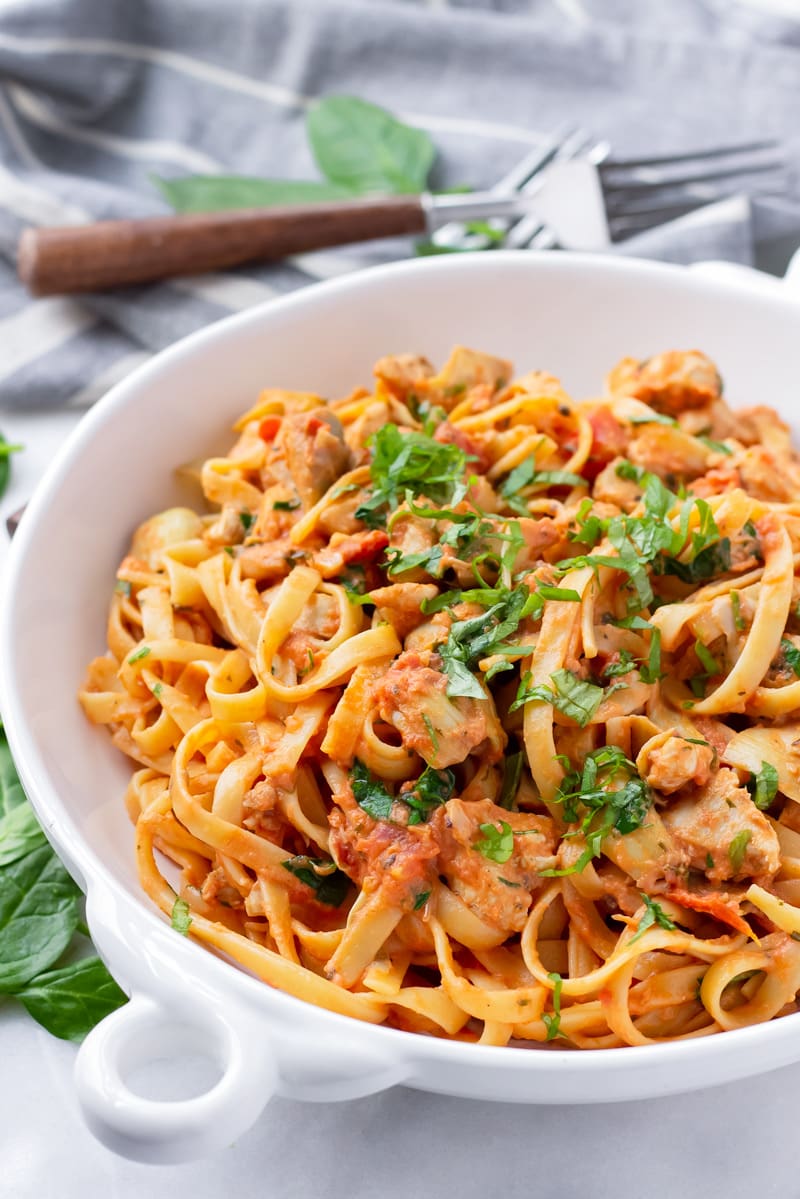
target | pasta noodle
[{"x": 473, "y": 710}]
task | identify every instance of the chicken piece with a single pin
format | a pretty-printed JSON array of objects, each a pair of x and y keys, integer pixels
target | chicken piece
[
  {"x": 723, "y": 832},
  {"x": 413, "y": 698},
  {"x": 466, "y": 369},
  {"x": 374, "y": 417},
  {"x": 609, "y": 488},
  {"x": 498, "y": 893},
  {"x": 539, "y": 534},
  {"x": 767, "y": 475},
  {"x": 762, "y": 426},
  {"x": 669, "y": 453},
  {"x": 716, "y": 481},
  {"x": 401, "y": 373},
  {"x": 310, "y": 449},
  {"x": 411, "y": 535},
  {"x": 268, "y": 561},
  {"x": 382, "y": 855},
  {"x": 540, "y": 383},
  {"x": 675, "y": 762},
  {"x": 344, "y": 550},
  {"x": 227, "y": 529},
  {"x": 401, "y": 604},
  {"x": 669, "y": 382},
  {"x": 610, "y": 439}
]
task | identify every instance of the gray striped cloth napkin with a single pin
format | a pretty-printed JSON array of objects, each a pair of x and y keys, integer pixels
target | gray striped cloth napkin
[{"x": 97, "y": 94}]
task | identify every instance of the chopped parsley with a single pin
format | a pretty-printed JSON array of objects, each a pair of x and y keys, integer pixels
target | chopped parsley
[
  {"x": 553, "y": 1022},
  {"x": 329, "y": 884},
  {"x": 496, "y": 844},
  {"x": 654, "y": 914},
  {"x": 410, "y": 464},
  {"x": 707, "y": 660},
  {"x": 718, "y": 447},
  {"x": 181, "y": 917},
  {"x": 248, "y": 520},
  {"x": 286, "y": 505},
  {"x": 140, "y": 653},
  {"x": 763, "y": 786},
  {"x": 421, "y": 900},
  {"x": 738, "y": 848}
]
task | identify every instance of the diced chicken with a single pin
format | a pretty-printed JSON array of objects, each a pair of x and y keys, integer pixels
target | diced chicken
[
  {"x": 411, "y": 535},
  {"x": 540, "y": 383},
  {"x": 676, "y": 762},
  {"x": 768, "y": 476},
  {"x": 266, "y": 562},
  {"x": 379, "y": 854},
  {"x": 344, "y": 550},
  {"x": 716, "y": 481},
  {"x": 669, "y": 452},
  {"x": 310, "y": 447},
  {"x": 499, "y": 893},
  {"x": 668, "y": 382},
  {"x": 374, "y": 417},
  {"x": 466, "y": 369},
  {"x": 609, "y": 488},
  {"x": 723, "y": 832},
  {"x": 539, "y": 535},
  {"x": 401, "y": 604},
  {"x": 610, "y": 438},
  {"x": 443, "y": 730},
  {"x": 401, "y": 373},
  {"x": 227, "y": 529}
]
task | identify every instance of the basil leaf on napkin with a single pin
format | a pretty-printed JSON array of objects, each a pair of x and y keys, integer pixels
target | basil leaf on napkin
[
  {"x": 69, "y": 1002},
  {"x": 6, "y": 451},
  {"x": 215, "y": 193},
  {"x": 38, "y": 915},
  {"x": 364, "y": 148}
]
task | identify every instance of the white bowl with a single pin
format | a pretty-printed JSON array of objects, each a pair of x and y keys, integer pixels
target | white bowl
[{"x": 571, "y": 315}]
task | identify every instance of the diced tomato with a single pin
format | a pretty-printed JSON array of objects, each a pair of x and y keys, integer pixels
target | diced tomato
[
  {"x": 268, "y": 428},
  {"x": 610, "y": 440},
  {"x": 716, "y": 905},
  {"x": 313, "y": 424}
]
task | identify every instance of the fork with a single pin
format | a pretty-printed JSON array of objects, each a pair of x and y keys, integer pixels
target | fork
[
  {"x": 586, "y": 200},
  {"x": 568, "y": 193}
]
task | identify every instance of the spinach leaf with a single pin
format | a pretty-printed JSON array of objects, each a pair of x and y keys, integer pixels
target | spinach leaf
[
  {"x": 38, "y": 915},
  {"x": 70, "y": 1001},
  {"x": 363, "y": 148},
  {"x": 11, "y": 793},
  {"x": 20, "y": 832},
  {"x": 217, "y": 193}
]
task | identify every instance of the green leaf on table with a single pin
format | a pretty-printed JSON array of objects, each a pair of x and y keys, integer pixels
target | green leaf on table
[
  {"x": 38, "y": 915},
  {"x": 20, "y": 832},
  {"x": 11, "y": 793},
  {"x": 70, "y": 1001},
  {"x": 215, "y": 193},
  {"x": 363, "y": 148}
]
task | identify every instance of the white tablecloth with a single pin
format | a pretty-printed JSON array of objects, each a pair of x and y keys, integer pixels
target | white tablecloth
[{"x": 735, "y": 1141}]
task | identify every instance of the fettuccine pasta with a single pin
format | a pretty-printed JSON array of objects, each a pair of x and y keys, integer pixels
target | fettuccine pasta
[{"x": 474, "y": 710}]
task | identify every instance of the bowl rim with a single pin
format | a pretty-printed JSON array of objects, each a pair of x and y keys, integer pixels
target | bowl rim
[{"x": 193, "y": 959}]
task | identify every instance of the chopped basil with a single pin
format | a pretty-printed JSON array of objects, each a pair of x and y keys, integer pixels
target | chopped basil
[
  {"x": 369, "y": 793},
  {"x": 432, "y": 789},
  {"x": 718, "y": 447},
  {"x": 738, "y": 848},
  {"x": 736, "y": 605},
  {"x": 329, "y": 884},
  {"x": 654, "y": 914},
  {"x": 763, "y": 786},
  {"x": 707, "y": 659},
  {"x": 123, "y": 587},
  {"x": 181, "y": 917},
  {"x": 421, "y": 900},
  {"x": 496, "y": 844},
  {"x": 553, "y": 1022},
  {"x": 512, "y": 772},
  {"x": 791, "y": 655},
  {"x": 248, "y": 520},
  {"x": 411, "y": 463},
  {"x": 140, "y": 653},
  {"x": 570, "y": 695},
  {"x": 286, "y": 505}
]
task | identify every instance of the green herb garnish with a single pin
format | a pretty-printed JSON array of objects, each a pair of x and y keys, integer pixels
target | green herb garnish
[
  {"x": 496, "y": 844},
  {"x": 329, "y": 884},
  {"x": 553, "y": 1022},
  {"x": 738, "y": 848},
  {"x": 654, "y": 914},
  {"x": 763, "y": 786},
  {"x": 181, "y": 919}
]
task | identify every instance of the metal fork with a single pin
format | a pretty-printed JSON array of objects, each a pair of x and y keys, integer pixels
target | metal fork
[{"x": 584, "y": 199}]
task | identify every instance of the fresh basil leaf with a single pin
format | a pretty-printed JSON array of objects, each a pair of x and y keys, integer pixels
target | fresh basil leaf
[
  {"x": 651, "y": 671},
  {"x": 496, "y": 844},
  {"x": 654, "y": 914},
  {"x": 363, "y": 148},
  {"x": 432, "y": 789},
  {"x": 653, "y": 418},
  {"x": 468, "y": 641},
  {"x": 718, "y": 447},
  {"x": 763, "y": 786},
  {"x": 712, "y": 561},
  {"x": 38, "y": 915},
  {"x": 404, "y": 462},
  {"x": 247, "y": 520},
  {"x": 706, "y": 659},
  {"x": 217, "y": 193},
  {"x": 736, "y": 605},
  {"x": 70, "y": 1001},
  {"x": 571, "y": 696},
  {"x": 369, "y": 793},
  {"x": 330, "y": 886}
]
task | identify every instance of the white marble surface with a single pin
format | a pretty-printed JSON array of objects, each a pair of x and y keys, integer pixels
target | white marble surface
[{"x": 735, "y": 1140}]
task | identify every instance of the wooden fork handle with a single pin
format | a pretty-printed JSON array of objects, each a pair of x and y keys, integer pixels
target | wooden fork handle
[{"x": 76, "y": 258}]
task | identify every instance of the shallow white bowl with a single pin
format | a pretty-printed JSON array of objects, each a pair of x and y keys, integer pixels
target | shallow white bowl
[{"x": 571, "y": 315}]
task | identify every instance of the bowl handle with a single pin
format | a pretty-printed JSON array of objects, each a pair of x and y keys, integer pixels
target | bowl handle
[{"x": 159, "y": 1130}]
